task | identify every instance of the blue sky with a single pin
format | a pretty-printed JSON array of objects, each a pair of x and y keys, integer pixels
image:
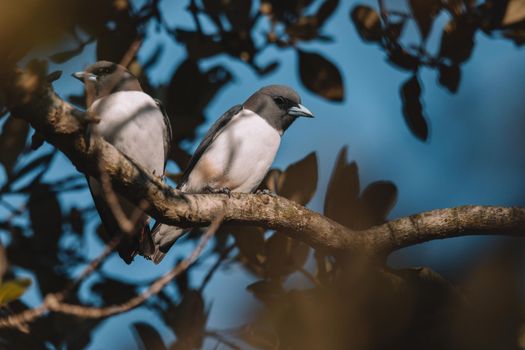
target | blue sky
[{"x": 474, "y": 154}]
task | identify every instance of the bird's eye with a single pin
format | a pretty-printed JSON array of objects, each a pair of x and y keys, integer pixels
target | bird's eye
[{"x": 279, "y": 101}]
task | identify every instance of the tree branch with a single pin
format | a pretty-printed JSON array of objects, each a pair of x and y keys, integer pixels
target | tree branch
[{"x": 64, "y": 127}]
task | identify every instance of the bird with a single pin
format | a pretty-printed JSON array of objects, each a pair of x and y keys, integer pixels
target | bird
[
  {"x": 138, "y": 126},
  {"x": 238, "y": 150}
]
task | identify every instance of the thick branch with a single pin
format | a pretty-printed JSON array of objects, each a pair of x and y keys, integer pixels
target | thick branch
[{"x": 64, "y": 127}]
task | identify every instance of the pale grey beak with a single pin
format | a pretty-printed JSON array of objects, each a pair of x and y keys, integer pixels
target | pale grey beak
[
  {"x": 84, "y": 75},
  {"x": 300, "y": 111}
]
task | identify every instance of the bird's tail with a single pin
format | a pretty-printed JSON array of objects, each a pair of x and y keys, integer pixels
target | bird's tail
[{"x": 164, "y": 237}]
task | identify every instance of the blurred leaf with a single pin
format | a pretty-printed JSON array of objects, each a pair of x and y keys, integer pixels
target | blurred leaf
[
  {"x": 457, "y": 40},
  {"x": 377, "y": 200},
  {"x": 250, "y": 241},
  {"x": 258, "y": 337},
  {"x": 412, "y": 109},
  {"x": 395, "y": 29},
  {"x": 403, "y": 59},
  {"x": 12, "y": 290},
  {"x": 449, "y": 77},
  {"x": 64, "y": 56},
  {"x": 424, "y": 12},
  {"x": 113, "y": 291},
  {"x": 343, "y": 191},
  {"x": 190, "y": 318},
  {"x": 45, "y": 215},
  {"x": 53, "y": 76},
  {"x": 3, "y": 263},
  {"x": 266, "y": 291},
  {"x": 326, "y": 10},
  {"x": 77, "y": 221},
  {"x": 514, "y": 13},
  {"x": 12, "y": 141},
  {"x": 34, "y": 164},
  {"x": 148, "y": 336},
  {"x": 284, "y": 255},
  {"x": 299, "y": 181},
  {"x": 367, "y": 23},
  {"x": 518, "y": 36},
  {"x": 320, "y": 76}
]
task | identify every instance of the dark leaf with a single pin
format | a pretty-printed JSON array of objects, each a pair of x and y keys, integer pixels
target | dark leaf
[
  {"x": 424, "y": 12},
  {"x": 12, "y": 141},
  {"x": 518, "y": 36},
  {"x": 258, "y": 337},
  {"x": 401, "y": 58},
  {"x": 268, "y": 68},
  {"x": 412, "y": 108},
  {"x": 152, "y": 60},
  {"x": 449, "y": 76},
  {"x": 343, "y": 191},
  {"x": 51, "y": 77},
  {"x": 457, "y": 40},
  {"x": 45, "y": 215},
  {"x": 250, "y": 241},
  {"x": 266, "y": 291},
  {"x": 395, "y": 29},
  {"x": 76, "y": 220},
  {"x": 367, "y": 23},
  {"x": 305, "y": 29},
  {"x": 320, "y": 76},
  {"x": 299, "y": 181},
  {"x": 284, "y": 255},
  {"x": 190, "y": 317},
  {"x": 326, "y": 10},
  {"x": 64, "y": 56},
  {"x": 148, "y": 336},
  {"x": 34, "y": 164},
  {"x": 377, "y": 200},
  {"x": 113, "y": 291}
]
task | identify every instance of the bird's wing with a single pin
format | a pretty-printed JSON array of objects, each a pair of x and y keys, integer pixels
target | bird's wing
[
  {"x": 168, "y": 136},
  {"x": 214, "y": 131}
]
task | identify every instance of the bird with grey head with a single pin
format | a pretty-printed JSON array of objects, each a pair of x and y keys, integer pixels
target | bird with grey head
[
  {"x": 137, "y": 125},
  {"x": 238, "y": 150}
]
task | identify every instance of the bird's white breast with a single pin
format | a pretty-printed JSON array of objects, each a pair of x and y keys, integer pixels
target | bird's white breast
[
  {"x": 239, "y": 157},
  {"x": 133, "y": 123}
]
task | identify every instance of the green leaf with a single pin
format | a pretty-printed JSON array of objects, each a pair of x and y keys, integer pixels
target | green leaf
[{"x": 12, "y": 290}]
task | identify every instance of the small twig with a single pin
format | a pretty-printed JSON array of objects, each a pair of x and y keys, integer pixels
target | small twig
[
  {"x": 215, "y": 266},
  {"x": 53, "y": 302},
  {"x": 131, "y": 53}
]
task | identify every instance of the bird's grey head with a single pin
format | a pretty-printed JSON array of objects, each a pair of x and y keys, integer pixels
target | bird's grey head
[
  {"x": 279, "y": 105},
  {"x": 103, "y": 78}
]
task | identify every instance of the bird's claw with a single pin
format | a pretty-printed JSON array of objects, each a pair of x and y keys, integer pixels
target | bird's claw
[
  {"x": 266, "y": 192},
  {"x": 222, "y": 190}
]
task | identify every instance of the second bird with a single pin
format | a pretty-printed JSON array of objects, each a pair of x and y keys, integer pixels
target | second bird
[{"x": 238, "y": 150}]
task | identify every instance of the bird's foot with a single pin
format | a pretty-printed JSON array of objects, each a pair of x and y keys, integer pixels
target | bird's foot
[
  {"x": 222, "y": 190},
  {"x": 266, "y": 192}
]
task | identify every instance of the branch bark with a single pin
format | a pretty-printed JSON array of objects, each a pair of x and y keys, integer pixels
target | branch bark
[{"x": 64, "y": 126}]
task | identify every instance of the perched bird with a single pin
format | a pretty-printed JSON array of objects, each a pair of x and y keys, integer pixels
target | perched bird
[
  {"x": 238, "y": 150},
  {"x": 136, "y": 125}
]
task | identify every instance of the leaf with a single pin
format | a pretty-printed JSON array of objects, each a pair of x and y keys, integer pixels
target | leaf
[
  {"x": 457, "y": 40},
  {"x": 76, "y": 219},
  {"x": 424, "y": 12},
  {"x": 148, "y": 336},
  {"x": 266, "y": 291},
  {"x": 250, "y": 241},
  {"x": 449, "y": 77},
  {"x": 12, "y": 141},
  {"x": 45, "y": 215},
  {"x": 377, "y": 200},
  {"x": 64, "y": 56},
  {"x": 190, "y": 316},
  {"x": 299, "y": 181},
  {"x": 284, "y": 255},
  {"x": 320, "y": 76},
  {"x": 367, "y": 23},
  {"x": 403, "y": 59},
  {"x": 343, "y": 191},
  {"x": 395, "y": 29},
  {"x": 412, "y": 109},
  {"x": 326, "y": 10},
  {"x": 514, "y": 13},
  {"x": 14, "y": 289},
  {"x": 3, "y": 263}
]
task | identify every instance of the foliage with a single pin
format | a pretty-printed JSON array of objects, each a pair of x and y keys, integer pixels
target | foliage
[{"x": 342, "y": 301}]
